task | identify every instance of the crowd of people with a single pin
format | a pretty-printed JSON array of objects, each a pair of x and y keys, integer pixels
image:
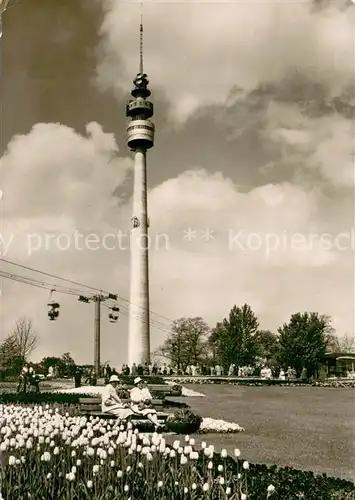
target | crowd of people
[
  {"x": 217, "y": 370},
  {"x": 30, "y": 379}
]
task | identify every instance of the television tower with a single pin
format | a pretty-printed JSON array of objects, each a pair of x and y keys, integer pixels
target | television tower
[{"x": 140, "y": 132}]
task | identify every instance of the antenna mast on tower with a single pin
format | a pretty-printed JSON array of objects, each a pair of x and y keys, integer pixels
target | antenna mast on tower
[{"x": 141, "y": 42}]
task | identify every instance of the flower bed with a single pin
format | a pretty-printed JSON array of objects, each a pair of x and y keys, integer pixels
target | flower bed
[
  {"x": 350, "y": 383},
  {"x": 213, "y": 426},
  {"x": 259, "y": 382},
  {"x": 236, "y": 381},
  {"x": 49, "y": 455}
]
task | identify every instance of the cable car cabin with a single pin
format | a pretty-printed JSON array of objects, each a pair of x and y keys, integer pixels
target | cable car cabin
[
  {"x": 113, "y": 314},
  {"x": 53, "y": 312}
]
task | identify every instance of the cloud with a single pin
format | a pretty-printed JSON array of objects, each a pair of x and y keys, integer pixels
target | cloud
[
  {"x": 202, "y": 50},
  {"x": 56, "y": 171},
  {"x": 324, "y": 144},
  {"x": 280, "y": 263}
]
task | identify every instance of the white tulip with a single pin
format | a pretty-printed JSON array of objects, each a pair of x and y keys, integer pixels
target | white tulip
[
  {"x": 271, "y": 488},
  {"x": 176, "y": 445},
  {"x": 183, "y": 460}
]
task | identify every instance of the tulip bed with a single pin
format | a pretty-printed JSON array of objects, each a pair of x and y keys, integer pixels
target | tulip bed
[{"x": 47, "y": 454}]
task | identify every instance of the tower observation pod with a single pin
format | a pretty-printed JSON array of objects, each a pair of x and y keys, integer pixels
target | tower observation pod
[
  {"x": 140, "y": 138},
  {"x": 140, "y": 129}
]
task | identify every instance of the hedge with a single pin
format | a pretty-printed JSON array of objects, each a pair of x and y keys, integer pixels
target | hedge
[{"x": 41, "y": 398}]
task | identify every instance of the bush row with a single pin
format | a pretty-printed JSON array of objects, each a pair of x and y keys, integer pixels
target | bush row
[
  {"x": 41, "y": 398},
  {"x": 64, "y": 398}
]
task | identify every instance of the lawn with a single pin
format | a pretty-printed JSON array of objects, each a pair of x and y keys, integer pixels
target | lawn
[{"x": 304, "y": 427}]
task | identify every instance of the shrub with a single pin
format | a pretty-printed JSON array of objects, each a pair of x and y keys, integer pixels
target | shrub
[
  {"x": 184, "y": 421},
  {"x": 177, "y": 389}
]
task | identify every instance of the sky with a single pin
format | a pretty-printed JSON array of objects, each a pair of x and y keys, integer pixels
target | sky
[{"x": 251, "y": 179}]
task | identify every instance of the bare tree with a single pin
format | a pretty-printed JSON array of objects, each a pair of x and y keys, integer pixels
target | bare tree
[
  {"x": 23, "y": 337},
  {"x": 187, "y": 342},
  {"x": 345, "y": 344}
]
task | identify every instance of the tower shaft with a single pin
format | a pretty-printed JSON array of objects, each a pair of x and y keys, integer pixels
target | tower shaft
[
  {"x": 140, "y": 131},
  {"x": 139, "y": 331}
]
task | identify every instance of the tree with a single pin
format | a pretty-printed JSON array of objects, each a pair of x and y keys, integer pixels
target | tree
[
  {"x": 11, "y": 361},
  {"x": 186, "y": 344},
  {"x": 24, "y": 339},
  {"x": 235, "y": 337},
  {"x": 68, "y": 364},
  {"x": 18, "y": 346},
  {"x": 303, "y": 341},
  {"x": 67, "y": 359},
  {"x": 54, "y": 361},
  {"x": 267, "y": 345},
  {"x": 345, "y": 344},
  {"x": 213, "y": 342}
]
